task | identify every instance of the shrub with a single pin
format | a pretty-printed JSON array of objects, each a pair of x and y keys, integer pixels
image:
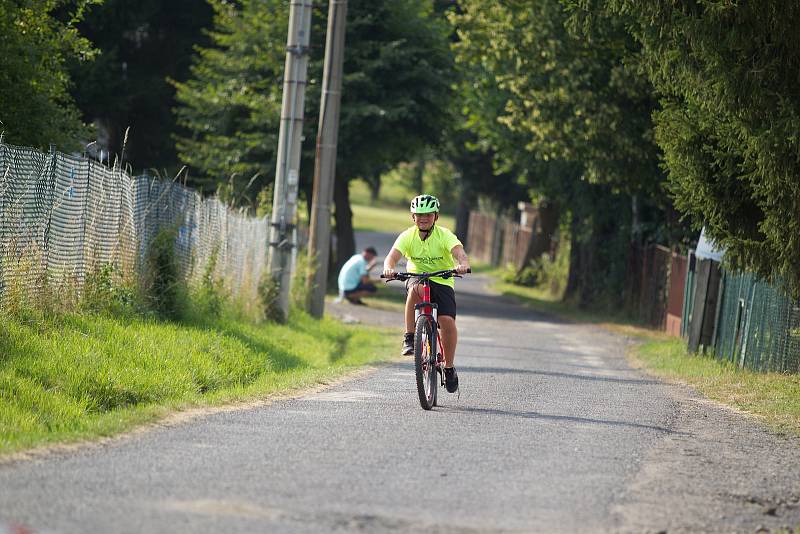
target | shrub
[
  {"x": 268, "y": 296},
  {"x": 106, "y": 291},
  {"x": 163, "y": 287},
  {"x": 211, "y": 295}
]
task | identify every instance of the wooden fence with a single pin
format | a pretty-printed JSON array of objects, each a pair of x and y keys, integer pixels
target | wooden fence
[
  {"x": 497, "y": 241},
  {"x": 656, "y": 275}
]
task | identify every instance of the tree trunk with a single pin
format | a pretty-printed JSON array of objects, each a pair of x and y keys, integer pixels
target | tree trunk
[
  {"x": 343, "y": 217},
  {"x": 579, "y": 284},
  {"x": 466, "y": 200},
  {"x": 633, "y": 278},
  {"x": 545, "y": 227},
  {"x": 419, "y": 172},
  {"x": 374, "y": 184}
]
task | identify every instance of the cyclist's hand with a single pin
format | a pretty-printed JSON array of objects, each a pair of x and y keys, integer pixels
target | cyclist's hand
[
  {"x": 388, "y": 273},
  {"x": 462, "y": 268}
]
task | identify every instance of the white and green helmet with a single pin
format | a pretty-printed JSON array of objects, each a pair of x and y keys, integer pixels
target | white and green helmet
[{"x": 425, "y": 204}]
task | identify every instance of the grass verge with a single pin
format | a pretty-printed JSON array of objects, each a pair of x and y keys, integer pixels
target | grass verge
[
  {"x": 774, "y": 397},
  {"x": 71, "y": 377}
]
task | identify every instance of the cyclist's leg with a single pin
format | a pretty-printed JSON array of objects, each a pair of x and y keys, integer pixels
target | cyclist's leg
[
  {"x": 445, "y": 298},
  {"x": 413, "y": 297},
  {"x": 449, "y": 334}
]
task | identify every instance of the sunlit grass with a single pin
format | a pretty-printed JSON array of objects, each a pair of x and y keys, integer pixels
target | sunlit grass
[
  {"x": 387, "y": 219},
  {"x": 392, "y": 194},
  {"x": 72, "y": 377},
  {"x": 773, "y": 396}
]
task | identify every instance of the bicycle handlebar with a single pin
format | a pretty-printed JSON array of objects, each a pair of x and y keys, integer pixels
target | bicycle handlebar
[{"x": 447, "y": 273}]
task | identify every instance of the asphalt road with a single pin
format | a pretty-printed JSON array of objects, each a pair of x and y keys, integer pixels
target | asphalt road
[{"x": 553, "y": 432}]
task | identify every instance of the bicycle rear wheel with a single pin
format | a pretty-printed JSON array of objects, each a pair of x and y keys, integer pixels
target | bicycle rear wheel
[{"x": 425, "y": 361}]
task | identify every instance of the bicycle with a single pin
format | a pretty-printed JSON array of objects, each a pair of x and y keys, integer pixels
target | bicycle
[{"x": 428, "y": 353}]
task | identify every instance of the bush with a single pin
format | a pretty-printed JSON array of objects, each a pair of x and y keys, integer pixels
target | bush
[
  {"x": 163, "y": 287},
  {"x": 545, "y": 273},
  {"x": 106, "y": 291},
  {"x": 300, "y": 290},
  {"x": 268, "y": 296},
  {"x": 211, "y": 296}
]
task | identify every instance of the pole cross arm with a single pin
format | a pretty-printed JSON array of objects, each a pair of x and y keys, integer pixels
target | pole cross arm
[
  {"x": 298, "y": 50},
  {"x": 285, "y": 244}
]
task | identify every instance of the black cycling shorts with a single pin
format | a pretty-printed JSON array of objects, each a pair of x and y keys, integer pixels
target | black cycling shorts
[{"x": 444, "y": 296}]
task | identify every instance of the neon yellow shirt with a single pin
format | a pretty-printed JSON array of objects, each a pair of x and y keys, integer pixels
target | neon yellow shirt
[{"x": 433, "y": 254}]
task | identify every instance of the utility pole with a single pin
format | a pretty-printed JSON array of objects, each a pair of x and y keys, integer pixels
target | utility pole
[
  {"x": 319, "y": 243},
  {"x": 284, "y": 202}
]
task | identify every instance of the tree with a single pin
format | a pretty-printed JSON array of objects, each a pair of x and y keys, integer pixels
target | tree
[
  {"x": 394, "y": 95},
  {"x": 727, "y": 77},
  {"x": 141, "y": 44},
  {"x": 230, "y": 106},
  {"x": 38, "y": 38},
  {"x": 564, "y": 106}
]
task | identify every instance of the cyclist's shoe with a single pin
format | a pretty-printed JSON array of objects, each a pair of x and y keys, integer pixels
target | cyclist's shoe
[
  {"x": 408, "y": 344},
  {"x": 450, "y": 379}
]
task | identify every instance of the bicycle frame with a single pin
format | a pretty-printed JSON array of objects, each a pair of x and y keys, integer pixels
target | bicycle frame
[{"x": 426, "y": 307}]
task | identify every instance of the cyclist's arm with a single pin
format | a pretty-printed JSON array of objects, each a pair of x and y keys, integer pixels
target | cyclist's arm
[
  {"x": 391, "y": 261},
  {"x": 461, "y": 257}
]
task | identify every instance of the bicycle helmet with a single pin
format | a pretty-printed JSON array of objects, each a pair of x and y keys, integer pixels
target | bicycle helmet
[{"x": 425, "y": 204}]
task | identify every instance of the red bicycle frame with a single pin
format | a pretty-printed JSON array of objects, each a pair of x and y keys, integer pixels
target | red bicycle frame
[{"x": 427, "y": 309}]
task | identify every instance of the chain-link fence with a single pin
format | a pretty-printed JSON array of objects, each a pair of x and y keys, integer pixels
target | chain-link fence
[
  {"x": 63, "y": 217},
  {"x": 757, "y": 325}
]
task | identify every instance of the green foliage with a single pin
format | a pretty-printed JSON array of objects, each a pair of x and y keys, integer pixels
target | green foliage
[
  {"x": 230, "y": 105},
  {"x": 210, "y": 296},
  {"x": 105, "y": 290},
  {"x": 300, "y": 290},
  {"x": 396, "y": 84},
  {"x": 268, "y": 295},
  {"x": 727, "y": 76},
  {"x": 558, "y": 102},
  {"x": 38, "y": 38},
  {"x": 139, "y": 45},
  {"x": 395, "y": 89},
  {"x": 164, "y": 288}
]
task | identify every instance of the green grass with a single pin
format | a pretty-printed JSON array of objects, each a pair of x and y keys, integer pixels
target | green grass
[
  {"x": 72, "y": 377},
  {"x": 774, "y": 397},
  {"x": 388, "y": 219},
  {"x": 393, "y": 194},
  {"x": 390, "y": 212}
]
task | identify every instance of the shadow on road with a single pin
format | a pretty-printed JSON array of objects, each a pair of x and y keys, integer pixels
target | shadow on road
[
  {"x": 498, "y": 307},
  {"x": 563, "y": 418},
  {"x": 505, "y": 370}
]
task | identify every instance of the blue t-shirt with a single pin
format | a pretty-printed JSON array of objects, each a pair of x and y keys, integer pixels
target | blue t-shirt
[{"x": 351, "y": 273}]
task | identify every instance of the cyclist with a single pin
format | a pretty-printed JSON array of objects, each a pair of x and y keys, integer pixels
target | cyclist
[{"x": 429, "y": 247}]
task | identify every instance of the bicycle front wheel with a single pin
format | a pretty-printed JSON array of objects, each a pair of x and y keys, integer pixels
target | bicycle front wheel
[{"x": 425, "y": 361}]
